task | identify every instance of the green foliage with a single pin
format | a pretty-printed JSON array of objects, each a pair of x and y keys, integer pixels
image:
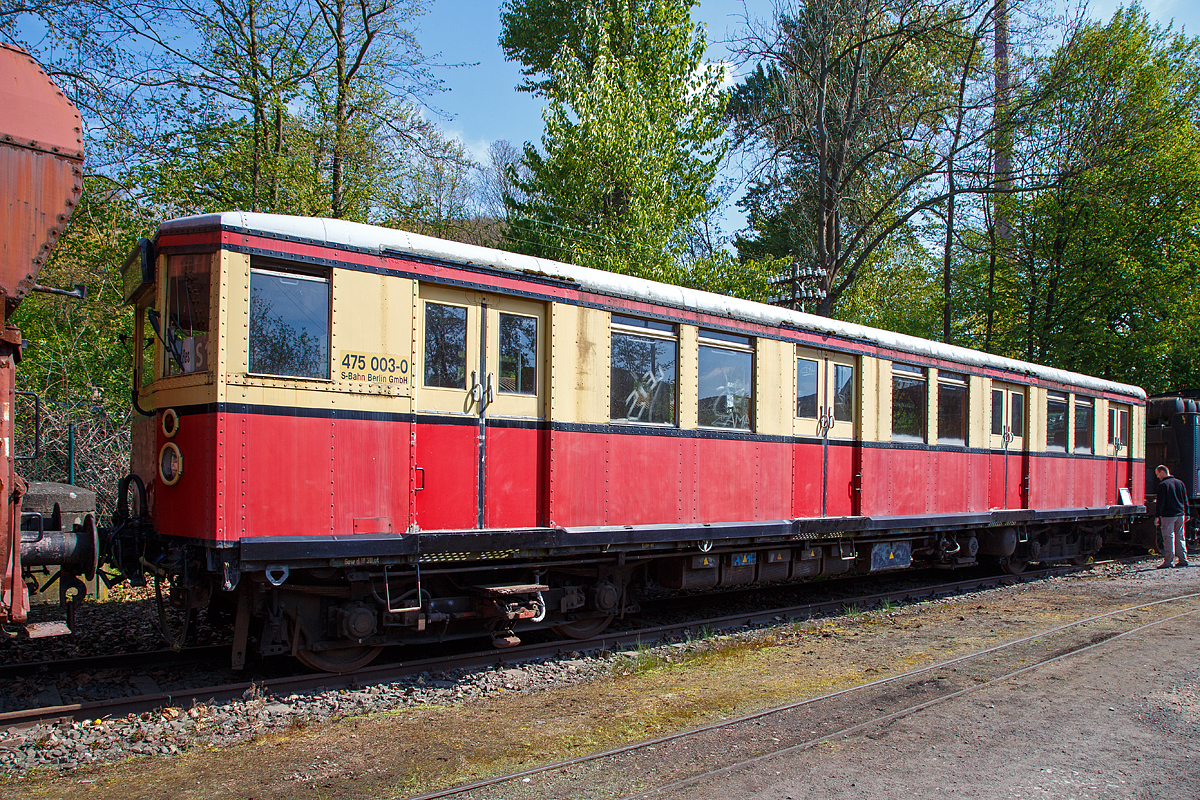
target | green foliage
[
  {"x": 899, "y": 289},
  {"x": 721, "y": 273},
  {"x": 630, "y": 144},
  {"x": 841, "y": 117},
  {"x": 78, "y": 358},
  {"x": 1103, "y": 276},
  {"x": 79, "y": 352}
]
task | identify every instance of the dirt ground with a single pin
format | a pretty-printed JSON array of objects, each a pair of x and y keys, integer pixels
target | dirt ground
[{"x": 1119, "y": 720}]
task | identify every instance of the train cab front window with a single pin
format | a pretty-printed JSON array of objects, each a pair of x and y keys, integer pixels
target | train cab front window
[
  {"x": 645, "y": 371},
  {"x": 726, "y": 393},
  {"x": 1056, "y": 422},
  {"x": 289, "y": 324},
  {"x": 186, "y": 322},
  {"x": 910, "y": 406}
]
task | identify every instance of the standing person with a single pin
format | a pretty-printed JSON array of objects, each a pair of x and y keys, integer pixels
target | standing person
[{"x": 1171, "y": 505}]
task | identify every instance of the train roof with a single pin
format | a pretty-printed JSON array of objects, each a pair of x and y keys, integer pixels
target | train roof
[{"x": 358, "y": 236}]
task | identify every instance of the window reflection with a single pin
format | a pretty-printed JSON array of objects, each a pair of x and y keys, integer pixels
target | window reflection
[
  {"x": 806, "y": 388},
  {"x": 445, "y": 346},
  {"x": 1083, "y": 426},
  {"x": 1056, "y": 423},
  {"x": 186, "y": 329},
  {"x": 726, "y": 388},
  {"x": 518, "y": 354},
  {"x": 643, "y": 379},
  {"x": 843, "y": 393},
  {"x": 952, "y": 413},
  {"x": 289, "y": 324},
  {"x": 909, "y": 406}
]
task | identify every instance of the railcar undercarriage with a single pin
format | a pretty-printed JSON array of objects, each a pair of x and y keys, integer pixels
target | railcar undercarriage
[{"x": 335, "y": 610}]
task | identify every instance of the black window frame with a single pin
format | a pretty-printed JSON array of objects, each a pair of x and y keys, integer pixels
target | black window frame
[
  {"x": 1089, "y": 403},
  {"x": 954, "y": 382},
  {"x": 730, "y": 343},
  {"x": 649, "y": 330},
  {"x": 914, "y": 375},
  {"x": 291, "y": 270},
  {"x": 1063, "y": 400}
]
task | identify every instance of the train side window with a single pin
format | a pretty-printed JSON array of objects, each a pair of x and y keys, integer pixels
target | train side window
[
  {"x": 726, "y": 391},
  {"x": 910, "y": 406},
  {"x": 1056, "y": 422},
  {"x": 445, "y": 346},
  {"x": 289, "y": 324},
  {"x": 1017, "y": 418},
  {"x": 843, "y": 393},
  {"x": 645, "y": 371},
  {"x": 1118, "y": 427},
  {"x": 518, "y": 354},
  {"x": 187, "y": 313},
  {"x": 952, "y": 408},
  {"x": 1084, "y": 424},
  {"x": 806, "y": 388},
  {"x": 997, "y": 412}
]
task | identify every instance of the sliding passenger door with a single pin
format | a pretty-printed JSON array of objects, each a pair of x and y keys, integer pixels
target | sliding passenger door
[
  {"x": 480, "y": 399},
  {"x": 514, "y": 462},
  {"x": 446, "y": 434},
  {"x": 842, "y": 452},
  {"x": 1009, "y": 461},
  {"x": 1119, "y": 452},
  {"x": 827, "y": 459}
]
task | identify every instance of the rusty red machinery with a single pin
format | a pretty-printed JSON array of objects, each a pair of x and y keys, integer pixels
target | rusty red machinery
[{"x": 41, "y": 179}]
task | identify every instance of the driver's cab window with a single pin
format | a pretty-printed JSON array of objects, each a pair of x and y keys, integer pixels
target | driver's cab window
[
  {"x": 289, "y": 322},
  {"x": 185, "y": 323}
]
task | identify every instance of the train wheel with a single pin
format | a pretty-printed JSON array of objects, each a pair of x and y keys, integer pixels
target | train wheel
[
  {"x": 1014, "y": 567},
  {"x": 345, "y": 659},
  {"x": 584, "y": 628}
]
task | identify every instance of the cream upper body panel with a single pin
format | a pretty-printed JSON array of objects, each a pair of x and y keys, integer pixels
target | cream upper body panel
[{"x": 388, "y": 242}]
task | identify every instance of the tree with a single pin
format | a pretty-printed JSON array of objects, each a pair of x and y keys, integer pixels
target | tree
[
  {"x": 860, "y": 120},
  {"x": 1103, "y": 272},
  {"x": 376, "y": 60},
  {"x": 631, "y": 143}
]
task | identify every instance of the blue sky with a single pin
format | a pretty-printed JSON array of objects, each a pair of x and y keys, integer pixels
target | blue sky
[{"x": 482, "y": 98}]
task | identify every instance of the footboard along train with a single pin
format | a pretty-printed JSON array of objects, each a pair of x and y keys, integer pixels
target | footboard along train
[{"x": 355, "y": 436}]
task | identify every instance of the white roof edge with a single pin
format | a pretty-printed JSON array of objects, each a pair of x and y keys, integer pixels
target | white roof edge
[{"x": 371, "y": 237}]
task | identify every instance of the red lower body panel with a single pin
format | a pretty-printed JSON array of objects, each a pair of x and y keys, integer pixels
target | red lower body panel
[{"x": 284, "y": 474}]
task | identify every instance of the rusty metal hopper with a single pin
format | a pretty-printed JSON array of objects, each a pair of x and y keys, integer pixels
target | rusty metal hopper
[
  {"x": 41, "y": 178},
  {"x": 41, "y": 170}
]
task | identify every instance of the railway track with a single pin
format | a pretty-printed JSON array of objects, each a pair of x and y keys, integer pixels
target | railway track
[
  {"x": 697, "y": 757},
  {"x": 388, "y": 672}
]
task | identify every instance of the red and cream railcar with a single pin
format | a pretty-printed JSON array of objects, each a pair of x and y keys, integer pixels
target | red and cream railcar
[{"x": 367, "y": 436}]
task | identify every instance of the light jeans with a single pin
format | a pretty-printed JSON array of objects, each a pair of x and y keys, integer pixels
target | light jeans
[{"x": 1174, "y": 539}]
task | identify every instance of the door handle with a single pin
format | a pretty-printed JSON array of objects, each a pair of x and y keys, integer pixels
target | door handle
[
  {"x": 476, "y": 387},
  {"x": 491, "y": 387},
  {"x": 420, "y": 488}
]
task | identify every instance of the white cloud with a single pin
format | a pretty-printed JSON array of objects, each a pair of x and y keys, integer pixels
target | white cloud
[{"x": 476, "y": 148}]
